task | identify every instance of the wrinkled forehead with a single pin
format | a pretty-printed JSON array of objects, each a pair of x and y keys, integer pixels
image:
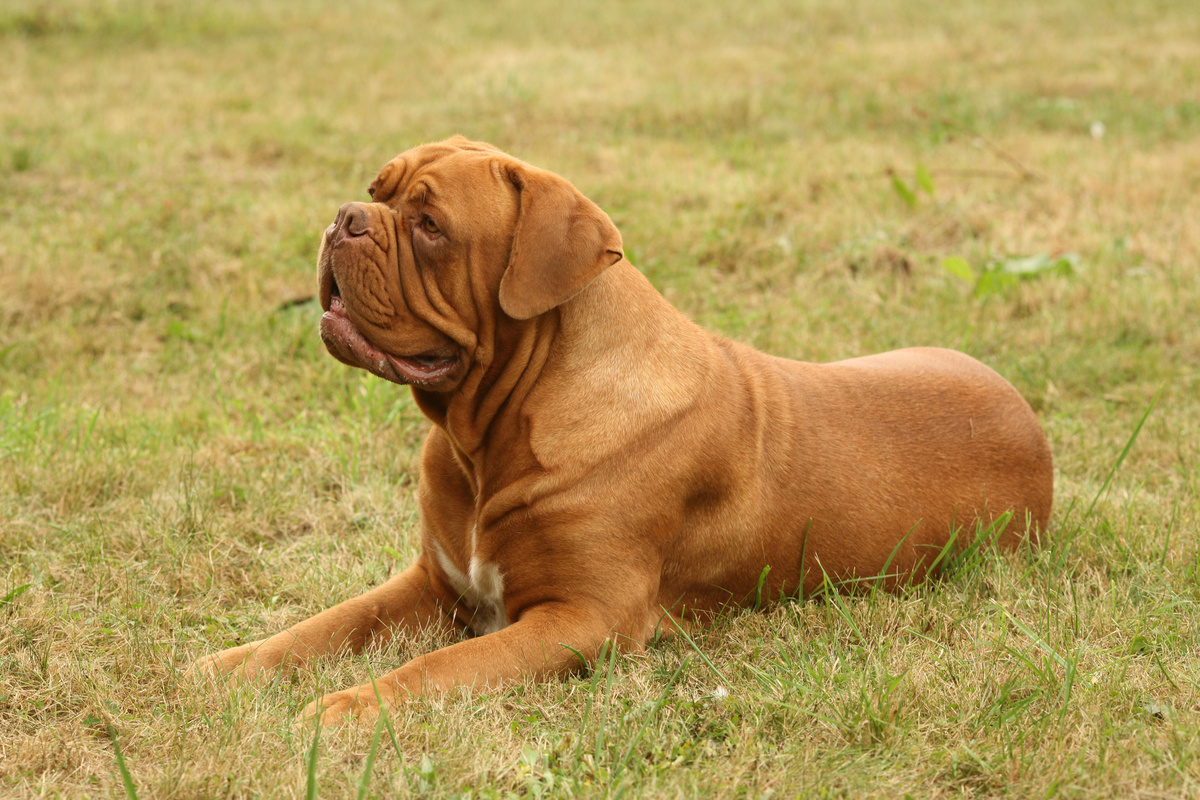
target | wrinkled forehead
[{"x": 450, "y": 172}]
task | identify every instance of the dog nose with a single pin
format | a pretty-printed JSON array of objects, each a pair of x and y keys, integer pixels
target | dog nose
[{"x": 352, "y": 218}]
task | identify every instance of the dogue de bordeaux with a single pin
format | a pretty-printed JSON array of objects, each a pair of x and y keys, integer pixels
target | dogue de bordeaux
[{"x": 601, "y": 468}]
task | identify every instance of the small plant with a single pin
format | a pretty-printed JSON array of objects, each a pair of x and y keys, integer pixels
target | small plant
[
  {"x": 999, "y": 275},
  {"x": 911, "y": 193}
]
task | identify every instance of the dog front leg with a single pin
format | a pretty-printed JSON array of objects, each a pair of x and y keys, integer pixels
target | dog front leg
[
  {"x": 546, "y": 640},
  {"x": 410, "y": 600}
]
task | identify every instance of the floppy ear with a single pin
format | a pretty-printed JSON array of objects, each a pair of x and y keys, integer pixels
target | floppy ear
[{"x": 562, "y": 242}]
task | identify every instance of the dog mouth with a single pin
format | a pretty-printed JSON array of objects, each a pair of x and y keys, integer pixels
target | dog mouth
[{"x": 347, "y": 344}]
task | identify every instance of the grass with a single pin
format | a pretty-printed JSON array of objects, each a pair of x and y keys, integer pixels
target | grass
[{"x": 183, "y": 468}]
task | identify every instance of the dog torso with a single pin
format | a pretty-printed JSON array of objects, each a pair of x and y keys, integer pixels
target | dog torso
[{"x": 695, "y": 473}]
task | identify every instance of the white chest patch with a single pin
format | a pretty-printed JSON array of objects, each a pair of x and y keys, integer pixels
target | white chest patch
[
  {"x": 488, "y": 586},
  {"x": 482, "y": 588}
]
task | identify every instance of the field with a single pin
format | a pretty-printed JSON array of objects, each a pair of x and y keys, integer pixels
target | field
[{"x": 184, "y": 468}]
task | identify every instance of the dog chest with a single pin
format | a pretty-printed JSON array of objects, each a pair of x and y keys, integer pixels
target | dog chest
[{"x": 481, "y": 588}]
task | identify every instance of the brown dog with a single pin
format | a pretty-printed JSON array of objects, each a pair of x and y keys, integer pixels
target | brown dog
[{"x": 599, "y": 467}]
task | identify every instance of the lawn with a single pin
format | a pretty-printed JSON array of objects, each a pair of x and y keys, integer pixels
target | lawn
[{"x": 184, "y": 468}]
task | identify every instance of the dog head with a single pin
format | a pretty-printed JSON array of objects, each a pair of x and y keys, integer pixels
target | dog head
[{"x": 459, "y": 243}]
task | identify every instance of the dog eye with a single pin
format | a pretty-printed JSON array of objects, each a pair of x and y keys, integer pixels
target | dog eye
[{"x": 430, "y": 227}]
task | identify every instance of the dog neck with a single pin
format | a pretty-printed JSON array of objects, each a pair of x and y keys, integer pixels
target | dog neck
[
  {"x": 622, "y": 347},
  {"x": 635, "y": 360},
  {"x": 483, "y": 414}
]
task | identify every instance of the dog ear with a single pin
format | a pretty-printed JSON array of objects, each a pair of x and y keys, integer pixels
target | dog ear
[{"x": 562, "y": 242}]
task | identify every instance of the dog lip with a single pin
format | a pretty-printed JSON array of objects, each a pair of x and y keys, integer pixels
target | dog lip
[
  {"x": 327, "y": 287},
  {"x": 422, "y": 369},
  {"x": 347, "y": 344}
]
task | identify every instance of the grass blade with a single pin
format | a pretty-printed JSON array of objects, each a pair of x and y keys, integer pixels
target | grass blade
[
  {"x": 692, "y": 642},
  {"x": 608, "y": 682},
  {"x": 758, "y": 590},
  {"x": 385, "y": 717},
  {"x": 310, "y": 787},
  {"x": 1121, "y": 458},
  {"x": 122, "y": 767},
  {"x": 650, "y": 715},
  {"x": 14, "y": 594},
  {"x": 1038, "y": 641},
  {"x": 365, "y": 780}
]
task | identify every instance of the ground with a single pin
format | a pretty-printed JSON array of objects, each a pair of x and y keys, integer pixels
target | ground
[{"x": 183, "y": 467}]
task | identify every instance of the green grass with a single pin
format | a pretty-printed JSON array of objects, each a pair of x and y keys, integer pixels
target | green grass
[{"x": 183, "y": 468}]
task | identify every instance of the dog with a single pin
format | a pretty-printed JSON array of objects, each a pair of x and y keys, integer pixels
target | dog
[{"x": 599, "y": 467}]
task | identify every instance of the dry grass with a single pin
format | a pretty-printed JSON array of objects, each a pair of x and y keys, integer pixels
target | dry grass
[{"x": 183, "y": 468}]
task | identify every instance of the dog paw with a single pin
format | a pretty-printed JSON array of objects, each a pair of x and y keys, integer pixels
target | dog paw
[
  {"x": 361, "y": 704},
  {"x": 236, "y": 662},
  {"x": 336, "y": 708}
]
